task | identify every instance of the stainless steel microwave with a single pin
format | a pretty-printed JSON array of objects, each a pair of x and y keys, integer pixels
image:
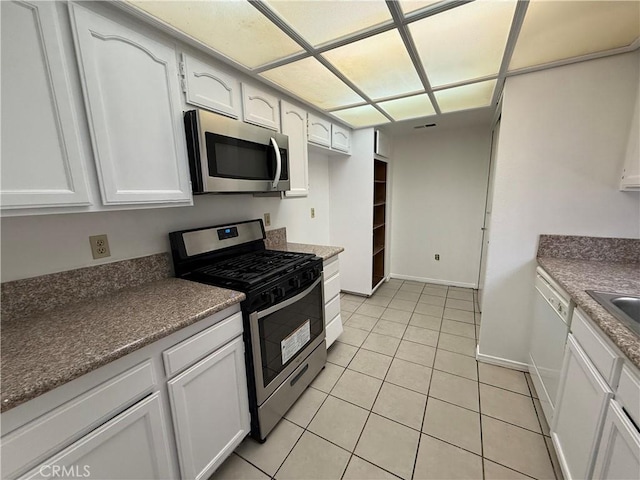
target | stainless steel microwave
[{"x": 229, "y": 156}]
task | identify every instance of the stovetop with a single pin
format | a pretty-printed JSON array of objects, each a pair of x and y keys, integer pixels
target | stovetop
[{"x": 252, "y": 270}]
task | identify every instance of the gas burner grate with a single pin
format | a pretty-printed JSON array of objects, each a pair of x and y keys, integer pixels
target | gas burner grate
[{"x": 252, "y": 268}]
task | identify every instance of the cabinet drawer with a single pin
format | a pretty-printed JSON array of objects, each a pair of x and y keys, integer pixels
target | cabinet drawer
[
  {"x": 331, "y": 287},
  {"x": 601, "y": 355},
  {"x": 202, "y": 344},
  {"x": 43, "y": 437},
  {"x": 331, "y": 309},
  {"x": 628, "y": 393},
  {"x": 331, "y": 267}
]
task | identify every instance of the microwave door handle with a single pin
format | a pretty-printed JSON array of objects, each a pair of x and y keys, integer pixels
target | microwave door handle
[{"x": 276, "y": 178}]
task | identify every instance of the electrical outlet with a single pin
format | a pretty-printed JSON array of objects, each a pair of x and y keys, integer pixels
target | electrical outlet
[
  {"x": 267, "y": 219},
  {"x": 437, "y": 256},
  {"x": 99, "y": 246},
  {"x": 313, "y": 212}
]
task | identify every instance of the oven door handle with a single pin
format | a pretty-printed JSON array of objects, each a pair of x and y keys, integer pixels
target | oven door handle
[
  {"x": 276, "y": 177},
  {"x": 288, "y": 302}
]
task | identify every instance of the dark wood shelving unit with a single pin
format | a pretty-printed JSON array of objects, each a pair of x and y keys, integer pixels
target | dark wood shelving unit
[{"x": 379, "y": 219}]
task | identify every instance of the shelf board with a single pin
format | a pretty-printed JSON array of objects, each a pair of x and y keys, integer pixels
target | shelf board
[
  {"x": 375, "y": 227},
  {"x": 377, "y": 249},
  {"x": 379, "y": 204},
  {"x": 380, "y": 181}
]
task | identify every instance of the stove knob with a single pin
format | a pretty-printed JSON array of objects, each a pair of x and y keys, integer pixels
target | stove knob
[
  {"x": 268, "y": 297},
  {"x": 295, "y": 282},
  {"x": 278, "y": 292}
]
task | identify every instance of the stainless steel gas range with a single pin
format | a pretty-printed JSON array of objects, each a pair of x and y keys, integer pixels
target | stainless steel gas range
[{"x": 283, "y": 313}]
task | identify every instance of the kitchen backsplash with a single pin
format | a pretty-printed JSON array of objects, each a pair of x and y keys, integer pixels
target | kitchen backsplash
[
  {"x": 624, "y": 250},
  {"x": 276, "y": 239},
  {"x": 40, "y": 294}
]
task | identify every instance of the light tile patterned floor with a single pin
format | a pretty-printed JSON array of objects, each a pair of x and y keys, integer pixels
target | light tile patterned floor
[{"x": 402, "y": 396}]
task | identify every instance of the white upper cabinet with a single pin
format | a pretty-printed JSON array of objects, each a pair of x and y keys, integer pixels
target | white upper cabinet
[
  {"x": 319, "y": 131},
  {"x": 340, "y": 138},
  {"x": 132, "y": 96},
  {"x": 382, "y": 144},
  {"x": 631, "y": 174},
  {"x": 42, "y": 164},
  {"x": 260, "y": 108},
  {"x": 208, "y": 88},
  {"x": 294, "y": 125}
]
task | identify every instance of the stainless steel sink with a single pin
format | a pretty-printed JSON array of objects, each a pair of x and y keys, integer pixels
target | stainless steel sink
[{"x": 625, "y": 308}]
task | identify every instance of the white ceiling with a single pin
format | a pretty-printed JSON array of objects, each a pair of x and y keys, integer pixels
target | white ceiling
[{"x": 375, "y": 62}]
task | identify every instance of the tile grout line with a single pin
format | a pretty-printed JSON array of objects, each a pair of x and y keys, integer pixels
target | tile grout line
[
  {"x": 370, "y": 411},
  {"x": 372, "y": 405}
]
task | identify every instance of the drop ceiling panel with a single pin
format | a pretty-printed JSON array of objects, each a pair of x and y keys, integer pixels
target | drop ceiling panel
[
  {"x": 475, "y": 95},
  {"x": 465, "y": 42},
  {"x": 234, "y": 28},
  {"x": 409, "y": 107},
  {"x": 379, "y": 65},
  {"x": 313, "y": 82},
  {"x": 559, "y": 30},
  {"x": 364, "y": 116},
  {"x": 322, "y": 21}
]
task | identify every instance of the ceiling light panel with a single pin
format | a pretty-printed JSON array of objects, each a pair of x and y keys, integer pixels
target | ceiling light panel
[
  {"x": 465, "y": 42},
  {"x": 364, "y": 116},
  {"x": 409, "y": 6},
  {"x": 475, "y": 95},
  {"x": 409, "y": 107},
  {"x": 559, "y": 30},
  {"x": 319, "y": 22},
  {"x": 313, "y": 82},
  {"x": 379, "y": 65},
  {"x": 233, "y": 27}
]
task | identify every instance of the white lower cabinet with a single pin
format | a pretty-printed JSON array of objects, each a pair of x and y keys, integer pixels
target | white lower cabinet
[
  {"x": 579, "y": 414},
  {"x": 115, "y": 422},
  {"x": 133, "y": 445},
  {"x": 331, "y": 288},
  {"x": 210, "y": 409},
  {"x": 619, "y": 453}
]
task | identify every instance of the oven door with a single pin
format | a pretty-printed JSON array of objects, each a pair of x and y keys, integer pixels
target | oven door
[{"x": 283, "y": 335}]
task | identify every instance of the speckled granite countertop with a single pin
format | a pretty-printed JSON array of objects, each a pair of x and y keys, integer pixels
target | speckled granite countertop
[
  {"x": 43, "y": 351},
  {"x": 578, "y": 275},
  {"x": 323, "y": 251}
]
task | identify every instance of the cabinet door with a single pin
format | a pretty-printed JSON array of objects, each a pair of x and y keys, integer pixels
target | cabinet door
[
  {"x": 260, "y": 108},
  {"x": 319, "y": 131},
  {"x": 210, "y": 410},
  {"x": 294, "y": 125},
  {"x": 209, "y": 88},
  {"x": 340, "y": 138},
  {"x": 132, "y": 96},
  {"x": 619, "y": 452},
  {"x": 579, "y": 414},
  {"x": 42, "y": 164},
  {"x": 133, "y": 445}
]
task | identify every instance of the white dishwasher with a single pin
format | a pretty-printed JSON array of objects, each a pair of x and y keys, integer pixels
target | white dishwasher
[{"x": 551, "y": 318}]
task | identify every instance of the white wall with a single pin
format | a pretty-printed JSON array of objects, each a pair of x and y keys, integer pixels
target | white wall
[
  {"x": 439, "y": 187},
  {"x": 560, "y": 156},
  {"x": 351, "y": 211},
  {"x": 37, "y": 245}
]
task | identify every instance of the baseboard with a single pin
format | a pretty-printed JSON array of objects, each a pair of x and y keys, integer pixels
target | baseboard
[
  {"x": 437, "y": 281},
  {"x": 501, "y": 362}
]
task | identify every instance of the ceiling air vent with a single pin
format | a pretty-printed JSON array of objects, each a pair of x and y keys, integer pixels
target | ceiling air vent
[{"x": 425, "y": 126}]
